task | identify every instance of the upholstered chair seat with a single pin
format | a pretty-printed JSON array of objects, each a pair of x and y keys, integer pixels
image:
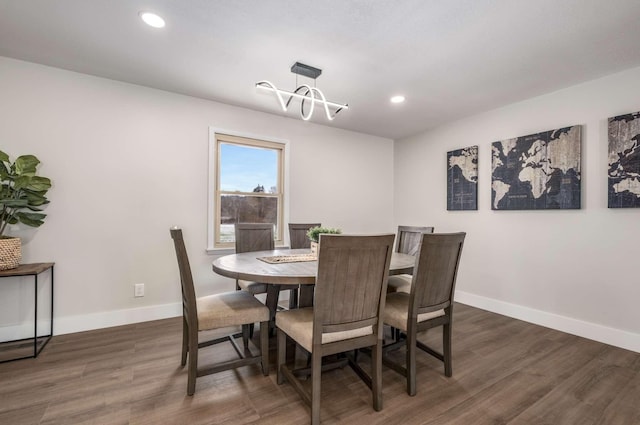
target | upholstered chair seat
[
  {"x": 298, "y": 325},
  {"x": 396, "y": 311},
  {"x": 400, "y": 283},
  {"x": 253, "y": 288},
  {"x": 229, "y": 309}
]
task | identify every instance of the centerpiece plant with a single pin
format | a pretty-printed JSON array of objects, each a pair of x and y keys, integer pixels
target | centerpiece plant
[
  {"x": 22, "y": 194},
  {"x": 314, "y": 236}
]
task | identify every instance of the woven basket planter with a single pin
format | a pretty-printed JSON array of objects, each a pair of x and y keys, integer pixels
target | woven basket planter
[
  {"x": 10, "y": 253},
  {"x": 314, "y": 248}
]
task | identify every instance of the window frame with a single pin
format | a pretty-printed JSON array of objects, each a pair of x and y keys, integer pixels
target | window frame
[{"x": 218, "y": 136}]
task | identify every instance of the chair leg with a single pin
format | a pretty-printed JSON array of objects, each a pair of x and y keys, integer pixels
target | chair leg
[
  {"x": 411, "y": 361},
  {"x": 282, "y": 354},
  {"x": 446, "y": 349},
  {"x": 185, "y": 341},
  {"x": 193, "y": 364},
  {"x": 245, "y": 336},
  {"x": 316, "y": 368},
  {"x": 376, "y": 375},
  {"x": 264, "y": 347}
]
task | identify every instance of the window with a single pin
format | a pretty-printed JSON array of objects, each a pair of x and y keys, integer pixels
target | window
[{"x": 247, "y": 176}]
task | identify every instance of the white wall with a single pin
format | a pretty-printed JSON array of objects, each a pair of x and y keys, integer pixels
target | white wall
[
  {"x": 128, "y": 162},
  {"x": 573, "y": 270}
]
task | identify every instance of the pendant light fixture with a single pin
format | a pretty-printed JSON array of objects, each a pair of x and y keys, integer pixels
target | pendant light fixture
[{"x": 304, "y": 93}]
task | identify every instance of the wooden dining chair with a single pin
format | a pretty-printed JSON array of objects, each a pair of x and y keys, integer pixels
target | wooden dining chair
[
  {"x": 349, "y": 300},
  {"x": 252, "y": 237},
  {"x": 428, "y": 304},
  {"x": 298, "y": 239},
  {"x": 229, "y": 309},
  {"x": 298, "y": 235},
  {"x": 407, "y": 242}
]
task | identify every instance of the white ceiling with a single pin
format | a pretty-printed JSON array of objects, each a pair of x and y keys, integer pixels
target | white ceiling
[{"x": 450, "y": 58}]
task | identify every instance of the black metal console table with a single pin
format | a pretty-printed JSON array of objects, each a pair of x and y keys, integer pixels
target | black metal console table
[{"x": 39, "y": 342}]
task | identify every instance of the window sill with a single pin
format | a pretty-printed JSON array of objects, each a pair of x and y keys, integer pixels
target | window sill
[
  {"x": 220, "y": 251},
  {"x": 228, "y": 251}
]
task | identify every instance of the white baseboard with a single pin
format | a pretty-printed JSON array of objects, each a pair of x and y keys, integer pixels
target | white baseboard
[
  {"x": 107, "y": 319},
  {"x": 596, "y": 332},
  {"x": 589, "y": 330}
]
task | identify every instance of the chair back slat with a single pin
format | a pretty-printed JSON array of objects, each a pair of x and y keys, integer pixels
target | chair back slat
[
  {"x": 434, "y": 277},
  {"x": 409, "y": 238},
  {"x": 298, "y": 235},
  {"x": 352, "y": 275},
  {"x": 186, "y": 278},
  {"x": 254, "y": 237}
]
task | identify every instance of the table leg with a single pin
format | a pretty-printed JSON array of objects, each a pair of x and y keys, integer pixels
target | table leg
[
  {"x": 293, "y": 297},
  {"x": 273, "y": 293}
]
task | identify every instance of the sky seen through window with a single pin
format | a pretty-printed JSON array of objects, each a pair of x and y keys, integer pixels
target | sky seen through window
[{"x": 243, "y": 168}]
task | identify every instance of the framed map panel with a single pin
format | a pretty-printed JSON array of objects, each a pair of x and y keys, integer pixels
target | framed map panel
[
  {"x": 462, "y": 179},
  {"x": 537, "y": 172},
  {"x": 624, "y": 161}
]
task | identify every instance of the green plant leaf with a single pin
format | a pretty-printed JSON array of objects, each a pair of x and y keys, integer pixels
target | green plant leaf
[
  {"x": 4, "y": 168},
  {"x": 314, "y": 233},
  {"x": 25, "y": 165},
  {"x": 39, "y": 184},
  {"x": 31, "y": 219},
  {"x": 32, "y": 216},
  {"x": 21, "y": 182},
  {"x": 35, "y": 198},
  {"x": 14, "y": 203}
]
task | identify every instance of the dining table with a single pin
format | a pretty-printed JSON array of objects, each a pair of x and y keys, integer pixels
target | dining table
[{"x": 280, "y": 267}]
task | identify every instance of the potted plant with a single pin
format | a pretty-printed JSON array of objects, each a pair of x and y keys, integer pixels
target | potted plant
[
  {"x": 314, "y": 236},
  {"x": 22, "y": 193}
]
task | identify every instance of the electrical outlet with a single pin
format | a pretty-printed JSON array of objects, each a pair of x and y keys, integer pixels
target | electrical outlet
[{"x": 138, "y": 290}]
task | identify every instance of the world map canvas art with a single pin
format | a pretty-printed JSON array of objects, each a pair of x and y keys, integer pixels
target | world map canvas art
[
  {"x": 624, "y": 161},
  {"x": 462, "y": 179},
  {"x": 536, "y": 172}
]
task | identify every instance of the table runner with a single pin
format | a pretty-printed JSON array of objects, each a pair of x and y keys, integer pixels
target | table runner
[{"x": 288, "y": 258}]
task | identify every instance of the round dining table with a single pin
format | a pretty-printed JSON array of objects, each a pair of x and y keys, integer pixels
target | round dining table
[{"x": 249, "y": 266}]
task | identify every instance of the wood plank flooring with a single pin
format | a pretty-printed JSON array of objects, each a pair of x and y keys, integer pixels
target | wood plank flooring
[{"x": 504, "y": 372}]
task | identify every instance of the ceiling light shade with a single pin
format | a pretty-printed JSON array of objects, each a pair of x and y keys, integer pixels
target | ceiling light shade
[
  {"x": 397, "y": 99},
  {"x": 304, "y": 93},
  {"x": 152, "y": 19}
]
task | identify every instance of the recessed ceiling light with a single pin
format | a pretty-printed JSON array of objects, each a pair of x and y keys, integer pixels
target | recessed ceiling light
[
  {"x": 152, "y": 19},
  {"x": 397, "y": 99}
]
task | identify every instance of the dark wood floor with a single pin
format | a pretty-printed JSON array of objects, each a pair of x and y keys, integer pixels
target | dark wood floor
[{"x": 505, "y": 372}]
